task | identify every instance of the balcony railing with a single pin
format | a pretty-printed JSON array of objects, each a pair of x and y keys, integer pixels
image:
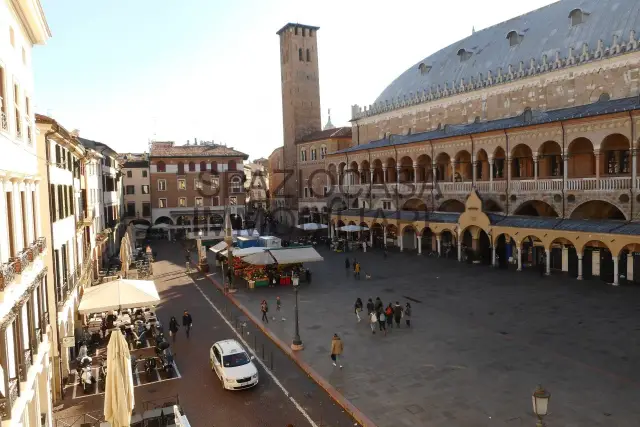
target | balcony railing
[
  {"x": 3, "y": 121},
  {"x": 78, "y": 276},
  {"x": 7, "y": 274},
  {"x": 28, "y": 362},
  {"x": 599, "y": 184},
  {"x": 6, "y": 403},
  {"x": 455, "y": 187}
]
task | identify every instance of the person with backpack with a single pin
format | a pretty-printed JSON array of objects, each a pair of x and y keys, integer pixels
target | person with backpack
[
  {"x": 373, "y": 319},
  {"x": 388, "y": 312},
  {"x": 173, "y": 328},
  {"x": 358, "y": 308},
  {"x": 381, "y": 322}
]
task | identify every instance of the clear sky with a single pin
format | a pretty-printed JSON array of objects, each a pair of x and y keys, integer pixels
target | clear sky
[{"x": 122, "y": 71}]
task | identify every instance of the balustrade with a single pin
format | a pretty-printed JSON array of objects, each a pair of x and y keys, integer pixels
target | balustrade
[
  {"x": 7, "y": 274},
  {"x": 7, "y": 402},
  {"x": 599, "y": 184}
]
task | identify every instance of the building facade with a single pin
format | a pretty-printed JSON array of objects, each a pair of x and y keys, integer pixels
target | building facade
[
  {"x": 192, "y": 184},
  {"x": 256, "y": 186},
  {"x": 137, "y": 188},
  {"x": 25, "y": 302},
  {"x": 547, "y": 139}
]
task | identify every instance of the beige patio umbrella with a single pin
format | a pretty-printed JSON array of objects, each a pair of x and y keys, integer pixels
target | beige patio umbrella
[
  {"x": 118, "y": 394},
  {"x": 125, "y": 254}
]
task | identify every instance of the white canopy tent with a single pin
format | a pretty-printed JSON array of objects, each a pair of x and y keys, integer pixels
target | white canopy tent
[
  {"x": 248, "y": 251},
  {"x": 312, "y": 226},
  {"x": 295, "y": 255},
  {"x": 141, "y": 227},
  {"x": 353, "y": 228},
  {"x": 118, "y": 294},
  {"x": 218, "y": 247},
  {"x": 246, "y": 233},
  {"x": 161, "y": 227},
  {"x": 260, "y": 258}
]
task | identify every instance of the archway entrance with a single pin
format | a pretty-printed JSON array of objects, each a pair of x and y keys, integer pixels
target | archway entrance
[
  {"x": 532, "y": 252},
  {"x": 452, "y": 206},
  {"x": 378, "y": 239},
  {"x": 427, "y": 240},
  {"x": 536, "y": 208},
  {"x": 409, "y": 238},
  {"x": 504, "y": 251},
  {"x": 449, "y": 245},
  {"x": 597, "y": 209}
]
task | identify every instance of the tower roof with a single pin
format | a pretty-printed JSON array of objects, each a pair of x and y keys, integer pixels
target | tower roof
[
  {"x": 329, "y": 125},
  {"x": 292, "y": 25}
]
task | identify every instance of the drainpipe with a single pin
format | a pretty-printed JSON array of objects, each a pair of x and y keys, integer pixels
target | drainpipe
[
  {"x": 506, "y": 135},
  {"x": 564, "y": 173},
  {"x": 57, "y": 359},
  {"x": 633, "y": 165}
]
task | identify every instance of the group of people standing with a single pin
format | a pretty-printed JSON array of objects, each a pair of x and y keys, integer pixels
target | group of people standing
[{"x": 383, "y": 317}]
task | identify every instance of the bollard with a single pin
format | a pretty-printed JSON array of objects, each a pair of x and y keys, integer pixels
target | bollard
[{"x": 262, "y": 351}]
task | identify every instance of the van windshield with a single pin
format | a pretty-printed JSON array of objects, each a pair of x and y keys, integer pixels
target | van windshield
[{"x": 233, "y": 360}]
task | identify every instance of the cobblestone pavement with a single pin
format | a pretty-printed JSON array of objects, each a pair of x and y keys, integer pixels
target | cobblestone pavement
[
  {"x": 199, "y": 390},
  {"x": 481, "y": 340}
]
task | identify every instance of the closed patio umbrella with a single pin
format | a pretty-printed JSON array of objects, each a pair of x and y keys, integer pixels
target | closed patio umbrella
[{"x": 118, "y": 394}]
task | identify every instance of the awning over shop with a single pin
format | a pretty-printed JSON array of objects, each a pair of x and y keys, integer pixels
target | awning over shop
[
  {"x": 218, "y": 247},
  {"x": 311, "y": 226},
  {"x": 248, "y": 251},
  {"x": 262, "y": 258},
  {"x": 119, "y": 294},
  {"x": 295, "y": 255},
  {"x": 352, "y": 228}
]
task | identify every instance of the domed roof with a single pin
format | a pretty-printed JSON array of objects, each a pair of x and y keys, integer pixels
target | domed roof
[{"x": 546, "y": 31}]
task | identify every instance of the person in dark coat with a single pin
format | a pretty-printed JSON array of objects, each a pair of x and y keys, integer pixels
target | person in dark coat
[
  {"x": 370, "y": 307},
  {"x": 397, "y": 313},
  {"x": 173, "y": 328},
  {"x": 407, "y": 315},
  {"x": 187, "y": 322},
  {"x": 378, "y": 305},
  {"x": 389, "y": 315}
]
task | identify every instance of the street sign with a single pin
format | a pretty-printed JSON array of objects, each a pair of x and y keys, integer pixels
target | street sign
[{"x": 69, "y": 342}]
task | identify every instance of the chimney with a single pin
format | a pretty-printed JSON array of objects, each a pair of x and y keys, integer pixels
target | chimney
[
  {"x": 195, "y": 141},
  {"x": 187, "y": 142}
]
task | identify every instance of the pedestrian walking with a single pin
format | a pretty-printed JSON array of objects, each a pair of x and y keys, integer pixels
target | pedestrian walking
[
  {"x": 373, "y": 320},
  {"x": 264, "y": 308},
  {"x": 378, "y": 305},
  {"x": 278, "y": 307},
  {"x": 358, "y": 308},
  {"x": 173, "y": 328},
  {"x": 388, "y": 312},
  {"x": 336, "y": 349},
  {"x": 407, "y": 314},
  {"x": 187, "y": 322},
  {"x": 397, "y": 313},
  {"x": 370, "y": 307},
  {"x": 382, "y": 322},
  {"x": 542, "y": 266},
  {"x": 356, "y": 270}
]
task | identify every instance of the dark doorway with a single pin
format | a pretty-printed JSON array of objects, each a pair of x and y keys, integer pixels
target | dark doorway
[{"x": 484, "y": 248}]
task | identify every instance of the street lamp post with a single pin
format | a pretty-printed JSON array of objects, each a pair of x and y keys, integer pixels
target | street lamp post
[
  {"x": 540, "y": 400},
  {"x": 296, "y": 345}
]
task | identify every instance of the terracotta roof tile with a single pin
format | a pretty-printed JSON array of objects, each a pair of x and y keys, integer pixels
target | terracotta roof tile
[
  {"x": 167, "y": 150},
  {"x": 343, "y": 132}
]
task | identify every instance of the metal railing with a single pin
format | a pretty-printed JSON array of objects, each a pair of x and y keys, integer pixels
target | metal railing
[
  {"x": 6, "y": 403},
  {"x": 7, "y": 274},
  {"x": 93, "y": 419}
]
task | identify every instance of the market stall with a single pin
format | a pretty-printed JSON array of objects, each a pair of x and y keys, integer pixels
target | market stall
[{"x": 276, "y": 265}]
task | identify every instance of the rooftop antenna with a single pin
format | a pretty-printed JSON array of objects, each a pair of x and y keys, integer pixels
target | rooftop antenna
[{"x": 473, "y": 29}]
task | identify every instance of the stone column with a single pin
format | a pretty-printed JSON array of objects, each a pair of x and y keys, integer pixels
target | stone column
[
  {"x": 519, "y": 255},
  {"x": 459, "y": 250},
  {"x": 535, "y": 166},
  {"x": 491, "y": 173},
  {"x": 384, "y": 175},
  {"x": 508, "y": 160},
  {"x": 434, "y": 172},
  {"x": 473, "y": 170},
  {"x": 634, "y": 168},
  {"x": 453, "y": 171},
  {"x": 493, "y": 255},
  {"x": 372, "y": 174},
  {"x": 630, "y": 266},
  {"x": 397, "y": 174},
  {"x": 384, "y": 235},
  {"x": 579, "y": 267},
  {"x": 371, "y": 237},
  {"x": 439, "y": 245},
  {"x": 419, "y": 244},
  {"x": 401, "y": 240},
  {"x": 547, "y": 259},
  {"x": 565, "y": 170},
  {"x": 415, "y": 172},
  {"x": 615, "y": 270},
  {"x": 4, "y": 233},
  {"x": 596, "y": 154}
]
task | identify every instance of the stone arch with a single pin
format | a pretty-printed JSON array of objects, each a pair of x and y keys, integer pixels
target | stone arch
[
  {"x": 409, "y": 237},
  {"x": 482, "y": 165},
  {"x": 560, "y": 240},
  {"x": 443, "y": 167},
  {"x": 499, "y": 163},
  {"x": 452, "y": 205},
  {"x": 406, "y": 169},
  {"x": 164, "y": 220},
  {"x": 350, "y": 175},
  {"x": 390, "y": 164},
  {"x": 463, "y": 168},
  {"x": 415, "y": 205},
  {"x": 342, "y": 166},
  {"x": 337, "y": 204},
  {"x": 365, "y": 172},
  {"x": 532, "y": 250},
  {"x": 504, "y": 248},
  {"x": 424, "y": 169},
  {"x": 581, "y": 163},
  {"x": 216, "y": 220},
  {"x": 598, "y": 209},
  {"x": 490, "y": 205},
  {"x": 521, "y": 162},
  {"x": 448, "y": 242},
  {"x": 378, "y": 173},
  {"x": 332, "y": 172},
  {"x": 428, "y": 240},
  {"x": 377, "y": 231},
  {"x": 535, "y": 208},
  {"x": 615, "y": 155},
  {"x": 550, "y": 162}
]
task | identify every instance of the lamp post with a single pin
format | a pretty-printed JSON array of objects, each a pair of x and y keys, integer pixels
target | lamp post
[
  {"x": 296, "y": 344},
  {"x": 540, "y": 400}
]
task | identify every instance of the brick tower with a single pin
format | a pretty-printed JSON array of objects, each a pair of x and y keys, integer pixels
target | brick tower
[{"x": 300, "y": 100}]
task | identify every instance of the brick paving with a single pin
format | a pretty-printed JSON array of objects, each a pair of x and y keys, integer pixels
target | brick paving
[
  {"x": 199, "y": 390},
  {"x": 482, "y": 339}
]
